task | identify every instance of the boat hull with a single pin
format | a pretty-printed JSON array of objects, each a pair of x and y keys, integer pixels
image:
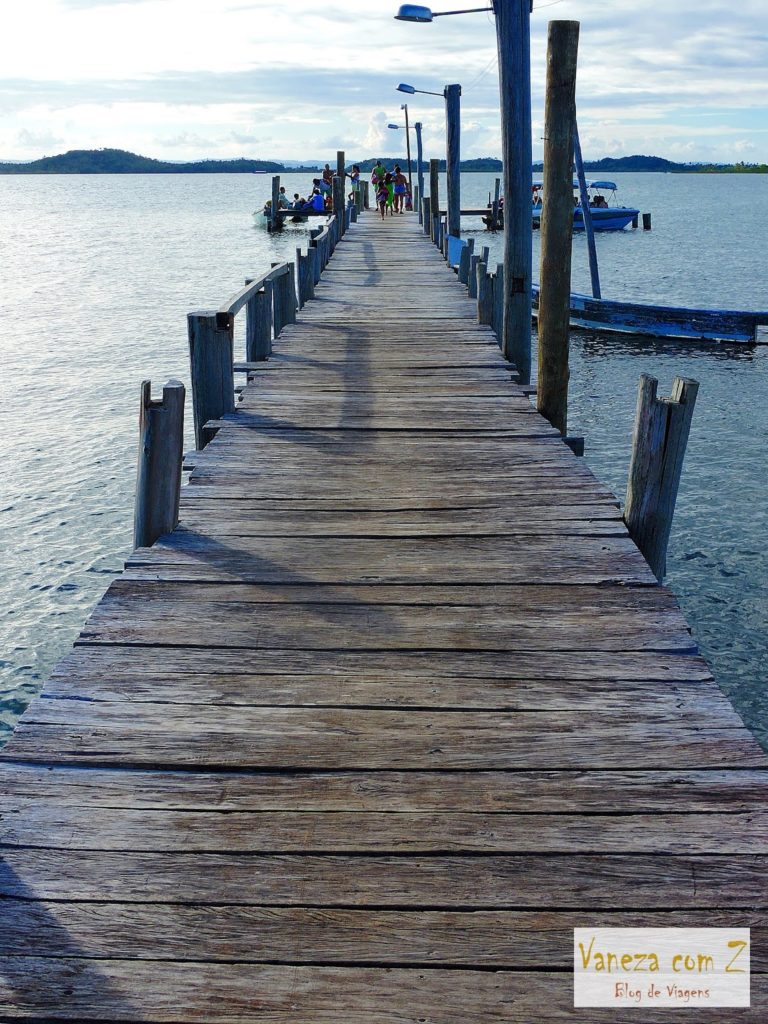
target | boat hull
[
  {"x": 604, "y": 315},
  {"x": 612, "y": 218}
]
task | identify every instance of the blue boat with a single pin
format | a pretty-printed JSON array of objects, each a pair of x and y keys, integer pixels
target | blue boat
[{"x": 605, "y": 217}]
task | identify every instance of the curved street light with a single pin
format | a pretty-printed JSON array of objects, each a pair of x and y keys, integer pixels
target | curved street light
[{"x": 412, "y": 12}]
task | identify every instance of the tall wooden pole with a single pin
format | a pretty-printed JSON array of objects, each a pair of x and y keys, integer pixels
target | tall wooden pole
[
  {"x": 453, "y": 157},
  {"x": 419, "y": 168},
  {"x": 586, "y": 213},
  {"x": 340, "y": 163},
  {"x": 513, "y": 35},
  {"x": 434, "y": 195},
  {"x": 557, "y": 223},
  {"x": 408, "y": 149}
]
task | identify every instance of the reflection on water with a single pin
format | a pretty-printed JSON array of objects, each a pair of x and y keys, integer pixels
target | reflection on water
[{"x": 98, "y": 274}]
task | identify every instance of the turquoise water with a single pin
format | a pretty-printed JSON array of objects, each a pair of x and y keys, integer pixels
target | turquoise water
[{"x": 97, "y": 274}]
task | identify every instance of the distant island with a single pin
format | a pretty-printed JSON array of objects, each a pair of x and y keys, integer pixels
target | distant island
[{"x": 119, "y": 161}]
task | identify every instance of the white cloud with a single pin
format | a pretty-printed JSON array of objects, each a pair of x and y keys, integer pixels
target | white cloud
[{"x": 227, "y": 78}]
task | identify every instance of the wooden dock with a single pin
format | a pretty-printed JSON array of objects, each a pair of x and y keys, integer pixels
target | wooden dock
[{"x": 396, "y": 707}]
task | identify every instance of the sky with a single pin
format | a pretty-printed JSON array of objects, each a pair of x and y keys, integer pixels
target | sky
[{"x": 193, "y": 79}]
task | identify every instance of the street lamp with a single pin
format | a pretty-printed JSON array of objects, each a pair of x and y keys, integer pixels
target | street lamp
[
  {"x": 452, "y": 96},
  {"x": 513, "y": 40},
  {"x": 412, "y": 12}
]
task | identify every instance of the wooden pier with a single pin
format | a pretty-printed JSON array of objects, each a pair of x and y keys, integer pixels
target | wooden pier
[{"x": 396, "y": 707}]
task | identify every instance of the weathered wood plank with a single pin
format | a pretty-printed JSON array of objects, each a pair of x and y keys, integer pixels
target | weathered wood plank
[
  {"x": 179, "y": 993},
  {"x": 500, "y": 939},
  {"x": 610, "y": 882},
  {"x": 272, "y": 832},
  {"x": 167, "y": 735},
  {"x": 640, "y": 792}
]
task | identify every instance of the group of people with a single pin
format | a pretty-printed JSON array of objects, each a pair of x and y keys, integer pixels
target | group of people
[
  {"x": 391, "y": 189},
  {"x": 319, "y": 197}
]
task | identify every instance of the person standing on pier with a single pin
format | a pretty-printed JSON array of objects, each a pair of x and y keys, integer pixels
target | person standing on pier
[
  {"x": 378, "y": 173},
  {"x": 400, "y": 188}
]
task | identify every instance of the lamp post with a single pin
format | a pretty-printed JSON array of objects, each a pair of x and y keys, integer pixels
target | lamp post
[
  {"x": 404, "y": 106},
  {"x": 514, "y": 48},
  {"x": 419, "y": 168},
  {"x": 452, "y": 96}
]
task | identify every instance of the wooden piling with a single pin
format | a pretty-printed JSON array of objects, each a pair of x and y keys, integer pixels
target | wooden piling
[
  {"x": 494, "y": 225},
  {"x": 258, "y": 324},
  {"x": 338, "y": 201},
  {"x": 341, "y": 170},
  {"x": 464, "y": 260},
  {"x": 484, "y": 294},
  {"x": 211, "y": 343},
  {"x": 513, "y": 32},
  {"x": 274, "y": 223},
  {"x": 661, "y": 433},
  {"x": 497, "y": 316},
  {"x": 646, "y": 222},
  {"x": 158, "y": 478},
  {"x": 453, "y": 157},
  {"x": 434, "y": 194},
  {"x": 557, "y": 223}
]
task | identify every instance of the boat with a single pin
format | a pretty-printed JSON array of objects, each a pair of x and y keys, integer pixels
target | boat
[
  {"x": 610, "y": 316},
  {"x": 605, "y": 217}
]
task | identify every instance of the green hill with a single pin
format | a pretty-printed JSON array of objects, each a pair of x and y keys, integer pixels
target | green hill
[{"x": 119, "y": 161}]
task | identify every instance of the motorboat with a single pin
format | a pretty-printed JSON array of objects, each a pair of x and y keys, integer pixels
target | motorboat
[{"x": 606, "y": 214}]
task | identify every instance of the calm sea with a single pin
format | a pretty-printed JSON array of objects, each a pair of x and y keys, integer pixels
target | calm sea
[{"x": 97, "y": 274}]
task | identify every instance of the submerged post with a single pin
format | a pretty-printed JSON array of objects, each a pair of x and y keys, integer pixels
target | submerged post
[
  {"x": 453, "y": 157},
  {"x": 661, "y": 433},
  {"x": 495, "y": 206},
  {"x": 513, "y": 35},
  {"x": 158, "y": 478},
  {"x": 211, "y": 342},
  {"x": 557, "y": 223},
  {"x": 434, "y": 196}
]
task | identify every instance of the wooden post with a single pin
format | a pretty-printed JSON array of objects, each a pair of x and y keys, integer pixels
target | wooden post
[
  {"x": 557, "y": 223},
  {"x": 315, "y": 247},
  {"x": 426, "y": 213},
  {"x": 338, "y": 202},
  {"x": 340, "y": 164},
  {"x": 444, "y": 237},
  {"x": 419, "y": 166},
  {"x": 453, "y": 157},
  {"x": 646, "y": 222},
  {"x": 274, "y": 222},
  {"x": 288, "y": 282},
  {"x": 497, "y": 319},
  {"x": 586, "y": 213},
  {"x": 513, "y": 32},
  {"x": 434, "y": 194},
  {"x": 661, "y": 433},
  {"x": 464, "y": 259},
  {"x": 484, "y": 294},
  {"x": 311, "y": 259},
  {"x": 258, "y": 323},
  {"x": 366, "y": 186},
  {"x": 211, "y": 342},
  {"x": 158, "y": 478},
  {"x": 352, "y": 211},
  {"x": 474, "y": 260},
  {"x": 495, "y": 206}
]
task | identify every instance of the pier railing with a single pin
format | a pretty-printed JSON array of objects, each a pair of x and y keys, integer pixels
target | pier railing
[{"x": 270, "y": 302}]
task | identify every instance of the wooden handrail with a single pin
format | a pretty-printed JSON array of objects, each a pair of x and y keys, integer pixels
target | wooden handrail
[{"x": 240, "y": 299}]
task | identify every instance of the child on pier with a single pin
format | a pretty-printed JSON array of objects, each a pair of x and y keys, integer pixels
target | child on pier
[{"x": 382, "y": 197}]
